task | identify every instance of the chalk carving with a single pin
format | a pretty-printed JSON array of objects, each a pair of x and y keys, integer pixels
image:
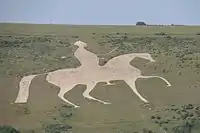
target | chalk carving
[{"x": 89, "y": 74}]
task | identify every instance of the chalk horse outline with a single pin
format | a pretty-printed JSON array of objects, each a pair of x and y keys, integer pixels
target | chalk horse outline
[{"x": 67, "y": 78}]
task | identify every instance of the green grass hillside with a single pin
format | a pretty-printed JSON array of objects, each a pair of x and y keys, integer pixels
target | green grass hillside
[{"x": 30, "y": 49}]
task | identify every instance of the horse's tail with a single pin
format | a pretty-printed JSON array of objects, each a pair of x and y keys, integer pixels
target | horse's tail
[{"x": 24, "y": 85}]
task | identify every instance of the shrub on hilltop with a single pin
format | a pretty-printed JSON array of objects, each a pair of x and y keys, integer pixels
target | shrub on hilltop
[{"x": 141, "y": 23}]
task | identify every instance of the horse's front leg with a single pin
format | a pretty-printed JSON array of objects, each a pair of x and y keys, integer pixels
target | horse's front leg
[
  {"x": 62, "y": 92},
  {"x": 132, "y": 85},
  {"x": 89, "y": 88},
  {"x": 165, "y": 80}
]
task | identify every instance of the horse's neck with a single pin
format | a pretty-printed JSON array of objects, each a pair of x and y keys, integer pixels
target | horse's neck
[{"x": 124, "y": 59}]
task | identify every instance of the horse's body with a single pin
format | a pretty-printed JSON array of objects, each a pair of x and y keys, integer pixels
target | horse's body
[
  {"x": 66, "y": 79},
  {"x": 90, "y": 73},
  {"x": 117, "y": 68}
]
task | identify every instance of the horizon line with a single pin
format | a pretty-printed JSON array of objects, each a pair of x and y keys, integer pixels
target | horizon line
[{"x": 12, "y": 22}]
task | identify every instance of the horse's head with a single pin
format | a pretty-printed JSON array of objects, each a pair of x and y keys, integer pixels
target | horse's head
[
  {"x": 80, "y": 44},
  {"x": 146, "y": 56}
]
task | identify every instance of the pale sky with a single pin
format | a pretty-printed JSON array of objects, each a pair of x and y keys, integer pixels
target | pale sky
[{"x": 101, "y": 11}]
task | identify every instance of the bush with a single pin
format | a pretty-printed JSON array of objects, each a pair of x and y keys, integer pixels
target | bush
[
  {"x": 188, "y": 107},
  {"x": 198, "y": 33},
  {"x": 141, "y": 23},
  {"x": 75, "y": 36},
  {"x": 158, "y": 117},
  {"x": 66, "y": 115},
  {"x": 185, "y": 128},
  {"x": 161, "y": 33},
  {"x": 8, "y": 129},
  {"x": 146, "y": 131},
  {"x": 153, "y": 117},
  {"x": 57, "y": 128},
  {"x": 168, "y": 37}
]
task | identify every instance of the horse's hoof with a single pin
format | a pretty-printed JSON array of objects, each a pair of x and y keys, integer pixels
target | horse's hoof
[
  {"x": 168, "y": 85},
  {"x": 106, "y": 103}
]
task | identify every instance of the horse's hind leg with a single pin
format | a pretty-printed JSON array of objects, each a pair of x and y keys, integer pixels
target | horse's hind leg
[
  {"x": 132, "y": 85},
  {"x": 166, "y": 81},
  {"x": 87, "y": 95},
  {"x": 61, "y": 95}
]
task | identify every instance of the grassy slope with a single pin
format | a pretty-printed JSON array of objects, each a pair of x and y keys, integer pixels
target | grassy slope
[{"x": 27, "y": 49}]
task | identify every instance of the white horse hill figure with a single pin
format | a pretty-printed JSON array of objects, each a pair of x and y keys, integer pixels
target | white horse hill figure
[{"x": 90, "y": 73}]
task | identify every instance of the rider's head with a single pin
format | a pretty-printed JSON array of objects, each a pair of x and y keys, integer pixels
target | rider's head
[{"x": 80, "y": 44}]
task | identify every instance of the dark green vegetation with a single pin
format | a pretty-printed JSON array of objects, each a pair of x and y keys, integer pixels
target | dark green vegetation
[
  {"x": 7, "y": 129},
  {"x": 57, "y": 128},
  {"x": 179, "y": 119},
  {"x": 27, "y": 49}
]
